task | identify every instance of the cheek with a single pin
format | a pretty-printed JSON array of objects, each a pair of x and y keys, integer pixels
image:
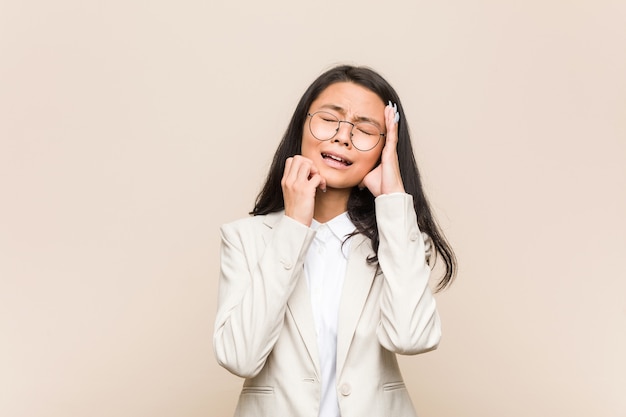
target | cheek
[
  {"x": 367, "y": 165},
  {"x": 307, "y": 145},
  {"x": 374, "y": 158}
]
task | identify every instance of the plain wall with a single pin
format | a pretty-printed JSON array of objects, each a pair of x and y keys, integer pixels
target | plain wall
[{"x": 130, "y": 130}]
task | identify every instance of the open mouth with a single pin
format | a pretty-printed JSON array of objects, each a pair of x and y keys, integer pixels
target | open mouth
[{"x": 337, "y": 159}]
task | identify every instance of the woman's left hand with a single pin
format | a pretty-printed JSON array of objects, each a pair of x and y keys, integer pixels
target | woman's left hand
[{"x": 386, "y": 178}]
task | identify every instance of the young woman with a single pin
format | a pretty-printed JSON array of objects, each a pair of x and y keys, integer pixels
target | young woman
[{"x": 328, "y": 281}]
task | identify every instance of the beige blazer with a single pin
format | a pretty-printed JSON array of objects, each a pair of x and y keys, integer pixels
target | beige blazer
[{"x": 264, "y": 329}]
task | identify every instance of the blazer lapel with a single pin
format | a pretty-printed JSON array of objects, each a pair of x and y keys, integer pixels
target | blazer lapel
[
  {"x": 356, "y": 287},
  {"x": 270, "y": 220},
  {"x": 299, "y": 304}
]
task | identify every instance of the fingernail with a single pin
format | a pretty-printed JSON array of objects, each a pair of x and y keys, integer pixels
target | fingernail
[
  {"x": 397, "y": 118},
  {"x": 389, "y": 104},
  {"x": 395, "y": 107}
]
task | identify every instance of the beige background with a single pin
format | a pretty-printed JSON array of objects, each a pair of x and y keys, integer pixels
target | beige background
[{"x": 130, "y": 130}]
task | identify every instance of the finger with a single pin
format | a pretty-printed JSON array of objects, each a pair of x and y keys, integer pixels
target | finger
[
  {"x": 296, "y": 170},
  {"x": 288, "y": 163},
  {"x": 314, "y": 170},
  {"x": 304, "y": 172},
  {"x": 392, "y": 129},
  {"x": 320, "y": 181},
  {"x": 391, "y": 179},
  {"x": 303, "y": 168},
  {"x": 287, "y": 170}
]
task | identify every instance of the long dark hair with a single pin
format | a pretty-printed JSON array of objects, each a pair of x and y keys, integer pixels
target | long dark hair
[{"x": 361, "y": 202}]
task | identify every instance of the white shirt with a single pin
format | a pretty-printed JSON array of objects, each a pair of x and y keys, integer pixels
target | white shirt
[{"x": 325, "y": 269}]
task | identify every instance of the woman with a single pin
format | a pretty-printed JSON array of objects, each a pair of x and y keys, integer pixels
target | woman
[{"x": 328, "y": 281}]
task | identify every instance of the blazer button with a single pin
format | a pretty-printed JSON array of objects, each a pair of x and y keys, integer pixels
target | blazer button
[
  {"x": 345, "y": 389},
  {"x": 286, "y": 264},
  {"x": 413, "y": 237}
]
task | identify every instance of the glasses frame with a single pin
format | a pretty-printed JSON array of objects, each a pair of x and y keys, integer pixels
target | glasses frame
[{"x": 339, "y": 122}]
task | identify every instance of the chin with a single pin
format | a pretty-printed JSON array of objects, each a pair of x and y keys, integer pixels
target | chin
[{"x": 340, "y": 185}]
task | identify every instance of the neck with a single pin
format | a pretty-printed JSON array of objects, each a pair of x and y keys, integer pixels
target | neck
[{"x": 330, "y": 204}]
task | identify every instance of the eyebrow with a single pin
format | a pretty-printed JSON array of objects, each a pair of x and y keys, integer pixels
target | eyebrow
[{"x": 357, "y": 119}]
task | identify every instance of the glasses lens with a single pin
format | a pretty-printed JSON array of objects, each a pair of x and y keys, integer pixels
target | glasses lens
[
  {"x": 324, "y": 125},
  {"x": 365, "y": 136}
]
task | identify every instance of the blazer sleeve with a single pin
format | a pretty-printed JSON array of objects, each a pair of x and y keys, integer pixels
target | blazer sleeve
[
  {"x": 409, "y": 322},
  {"x": 254, "y": 285}
]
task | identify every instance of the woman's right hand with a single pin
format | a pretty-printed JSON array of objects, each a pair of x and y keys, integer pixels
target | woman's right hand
[{"x": 300, "y": 182}]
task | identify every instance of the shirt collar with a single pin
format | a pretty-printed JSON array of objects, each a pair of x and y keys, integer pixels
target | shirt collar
[{"x": 341, "y": 227}]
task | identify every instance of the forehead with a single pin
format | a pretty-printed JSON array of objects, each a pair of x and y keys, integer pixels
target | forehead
[{"x": 350, "y": 99}]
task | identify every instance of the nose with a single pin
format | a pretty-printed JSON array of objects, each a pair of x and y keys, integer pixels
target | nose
[{"x": 344, "y": 134}]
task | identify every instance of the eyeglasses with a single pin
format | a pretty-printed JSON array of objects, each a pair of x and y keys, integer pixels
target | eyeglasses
[{"x": 363, "y": 135}]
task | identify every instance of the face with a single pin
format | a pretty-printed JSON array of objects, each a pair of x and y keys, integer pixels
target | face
[{"x": 340, "y": 163}]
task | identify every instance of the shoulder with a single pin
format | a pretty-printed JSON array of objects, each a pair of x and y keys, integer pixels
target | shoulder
[{"x": 250, "y": 225}]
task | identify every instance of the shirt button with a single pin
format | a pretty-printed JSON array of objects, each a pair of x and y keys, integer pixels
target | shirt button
[{"x": 345, "y": 389}]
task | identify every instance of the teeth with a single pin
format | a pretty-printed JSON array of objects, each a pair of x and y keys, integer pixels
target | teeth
[{"x": 336, "y": 158}]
